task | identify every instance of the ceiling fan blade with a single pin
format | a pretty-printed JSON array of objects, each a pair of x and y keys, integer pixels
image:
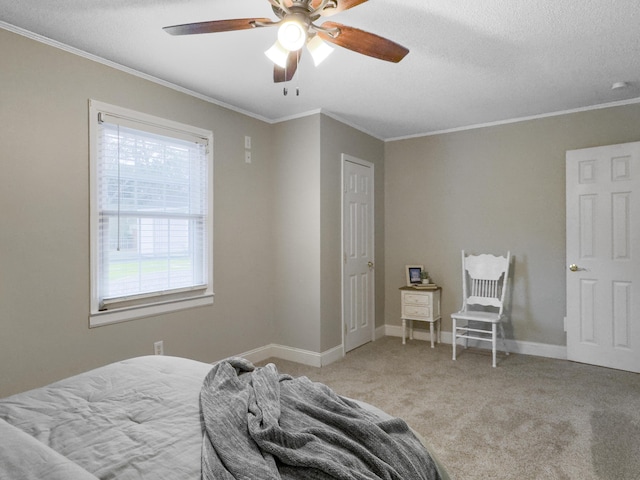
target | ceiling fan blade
[
  {"x": 342, "y": 6},
  {"x": 217, "y": 26},
  {"x": 285, "y": 74},
  {"x": 363, "y": 42}
]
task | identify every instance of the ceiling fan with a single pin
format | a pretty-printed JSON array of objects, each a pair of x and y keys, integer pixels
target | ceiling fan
[{"x": 297, "y": 28}]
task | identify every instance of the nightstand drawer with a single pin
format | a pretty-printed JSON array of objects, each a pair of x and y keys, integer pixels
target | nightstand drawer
[
  {"x": 417, "y": 311},
  {"x": 416, "y": 299},
  {"x": 420, "y": 305}
]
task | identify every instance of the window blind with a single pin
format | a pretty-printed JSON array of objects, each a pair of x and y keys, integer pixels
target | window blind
[{"x": 152, "y": 211}]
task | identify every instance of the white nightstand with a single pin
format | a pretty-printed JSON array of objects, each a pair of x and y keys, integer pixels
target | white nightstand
[{"x": 421, "y": 305}]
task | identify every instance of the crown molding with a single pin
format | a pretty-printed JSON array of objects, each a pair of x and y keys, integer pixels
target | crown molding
[
  {"x": 558, "y": 113},
  {"x": 129, "y": 70}
]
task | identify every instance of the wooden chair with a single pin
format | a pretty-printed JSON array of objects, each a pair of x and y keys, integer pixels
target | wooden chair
[{"x": 484, "y": 285}]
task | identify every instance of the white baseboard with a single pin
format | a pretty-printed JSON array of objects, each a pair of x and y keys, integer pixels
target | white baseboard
[
  {"x": 314, "y": 359},
  {"x": 396, "y": 331},
  {"x": 332, "y": 355},
  {"x": 513, "y": 346},
  {"x": 538, "y": 349},
  {"x": 304, "y": 357}
]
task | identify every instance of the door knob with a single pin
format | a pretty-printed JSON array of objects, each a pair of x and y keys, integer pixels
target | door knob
[
  {"x": 370, "y": 264},
  {"x": 573, "y": 267}
]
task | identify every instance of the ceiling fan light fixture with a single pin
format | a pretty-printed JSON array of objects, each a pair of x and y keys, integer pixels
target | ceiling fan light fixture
[
  {"x": 296, "y": 27},
  {"x": 278, "y": 54},
  {"x": 319, "y": 50},
  {"x": 292, "y": 35}
]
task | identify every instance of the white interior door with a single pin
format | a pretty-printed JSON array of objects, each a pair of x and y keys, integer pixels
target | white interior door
[
  {"x": 603, "y": 252},
  {"x": 358, "y": 279}
]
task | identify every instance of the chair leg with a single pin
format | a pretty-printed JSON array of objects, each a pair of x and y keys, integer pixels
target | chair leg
[
  {"x": 504, "y": 342},
  {"x": 493, "y": 342},
  {"x": 453, "y": 343},
  {"x": 466, "y": 339}
]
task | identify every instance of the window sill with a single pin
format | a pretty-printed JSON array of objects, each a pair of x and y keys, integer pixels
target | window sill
[{"x": 98, "y": 319}]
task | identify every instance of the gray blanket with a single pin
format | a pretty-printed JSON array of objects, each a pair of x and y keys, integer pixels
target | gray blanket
[{"x": 260, "y": 424}]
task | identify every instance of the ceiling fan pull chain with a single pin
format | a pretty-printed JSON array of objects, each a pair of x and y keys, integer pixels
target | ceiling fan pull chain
[
  {"x": 298, "y": 73},
  {"x": 284, "y": 89}
]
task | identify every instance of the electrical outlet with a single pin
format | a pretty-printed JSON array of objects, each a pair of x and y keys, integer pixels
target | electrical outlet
[
  {"x": 247, "y": 156},
  {"x": 158, "y": 348}
]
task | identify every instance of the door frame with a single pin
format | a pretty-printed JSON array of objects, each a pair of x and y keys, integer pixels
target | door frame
[{"x": 343, "y": 326}]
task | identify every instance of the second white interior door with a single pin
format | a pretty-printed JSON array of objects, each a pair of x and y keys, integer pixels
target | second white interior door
[{"x": 358, "y": 279}]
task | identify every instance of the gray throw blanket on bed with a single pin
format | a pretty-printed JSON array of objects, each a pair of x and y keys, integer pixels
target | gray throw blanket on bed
[{"x": 263, "y": 425}]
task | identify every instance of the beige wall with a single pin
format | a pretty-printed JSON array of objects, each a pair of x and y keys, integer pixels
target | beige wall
[
  {"x": 44, "y": 235},
  {"x": 307, "y": 227},
  {"x": 336, "y": 139},
  {"x": 277, "y": 220},
  {"x": 268, "y": 245},
  {"x": 491, "y": 190},
  {"x": 296, "y": 223}
]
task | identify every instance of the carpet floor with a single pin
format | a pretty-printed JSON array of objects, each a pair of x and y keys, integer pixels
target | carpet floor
[{"x": 529, "y": 418}]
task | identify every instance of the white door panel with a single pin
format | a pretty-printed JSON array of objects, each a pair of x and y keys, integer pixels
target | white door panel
[
  {"x": 603, "y": 239},
  {"x": 358, "y": 253}
]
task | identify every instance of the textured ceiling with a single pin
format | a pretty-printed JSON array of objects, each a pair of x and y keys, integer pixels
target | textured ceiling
[{"x": 471, "y": 62}]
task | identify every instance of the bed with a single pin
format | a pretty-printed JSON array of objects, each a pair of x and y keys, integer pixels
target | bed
[{"x": 162, "y": 417}]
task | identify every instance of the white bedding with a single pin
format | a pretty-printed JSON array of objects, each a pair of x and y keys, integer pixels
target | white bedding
[
  {"x": 25, "y": 458},
  {"x": 114, "y": 421},
  {"x": 134, "y": 419}
]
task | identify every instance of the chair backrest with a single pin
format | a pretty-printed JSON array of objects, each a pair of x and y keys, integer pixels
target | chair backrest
[{"x": 484, "y": 280}]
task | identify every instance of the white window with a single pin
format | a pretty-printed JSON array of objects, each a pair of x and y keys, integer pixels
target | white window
[{"x": 151, "y": 215}]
